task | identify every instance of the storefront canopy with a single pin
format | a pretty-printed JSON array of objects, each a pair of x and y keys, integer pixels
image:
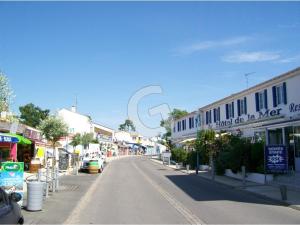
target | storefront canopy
[{"x": 14, "y": 138}]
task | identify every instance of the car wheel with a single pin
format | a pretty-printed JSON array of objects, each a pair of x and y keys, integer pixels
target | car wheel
[{"x": 21, "y": 221}]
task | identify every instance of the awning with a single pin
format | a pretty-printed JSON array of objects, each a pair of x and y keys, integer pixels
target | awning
[{"x": 14, "y": 138}]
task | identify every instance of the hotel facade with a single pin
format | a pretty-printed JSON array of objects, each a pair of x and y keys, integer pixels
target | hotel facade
[{"x": 270, "y": 109}]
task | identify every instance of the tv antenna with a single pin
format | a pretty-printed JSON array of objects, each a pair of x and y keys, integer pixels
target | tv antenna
[{"x": 246, "y": 76}]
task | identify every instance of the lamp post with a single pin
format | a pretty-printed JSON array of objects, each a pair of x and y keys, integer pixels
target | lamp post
[{"x": 197, "y": 167}]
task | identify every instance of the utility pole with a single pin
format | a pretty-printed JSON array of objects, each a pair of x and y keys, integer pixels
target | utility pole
[
  {"x": 76, "y": 101},
  {"x": 246, "y": 76}
]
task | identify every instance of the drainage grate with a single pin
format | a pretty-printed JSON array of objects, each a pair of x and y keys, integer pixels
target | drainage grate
[{"x": 68, "y": 187}]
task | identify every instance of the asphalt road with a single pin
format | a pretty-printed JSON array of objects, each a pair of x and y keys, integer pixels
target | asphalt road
[{"x": 138, "y": 191}]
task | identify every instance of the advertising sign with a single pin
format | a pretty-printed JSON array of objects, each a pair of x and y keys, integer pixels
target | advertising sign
[
  {"x": 276, "y": 159},
  {"x": 8, "y": 139},
  {"x": 11, "y": 177}
]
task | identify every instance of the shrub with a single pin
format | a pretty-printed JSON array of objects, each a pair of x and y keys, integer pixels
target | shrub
[
  {"x": 179, "y": 155},
  {"x": 238, "y": 152}
]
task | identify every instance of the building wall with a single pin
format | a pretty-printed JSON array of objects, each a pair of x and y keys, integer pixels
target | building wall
[
  {"x": 247, "y": 122},
  {"x": 77, "y": 123},
  {"x": 188, "y": 131},
  {"x": 123, "y": 136}
]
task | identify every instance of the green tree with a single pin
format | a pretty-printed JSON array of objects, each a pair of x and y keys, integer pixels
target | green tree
[
  {"x": 127, "y": 126},
  {"x": 32, "y": 115},
  {"x": 53, "y": 128},
  {"x": 166, "y": 124},
  {"x": 6, "y": 93},
  {"x": 86, "y": 139},
  {"x": 174, "y": 115},
  {"x": 76, "y": 140}
]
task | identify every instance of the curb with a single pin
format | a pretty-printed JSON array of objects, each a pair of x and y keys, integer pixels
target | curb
[{"x": 280, "y": 202}]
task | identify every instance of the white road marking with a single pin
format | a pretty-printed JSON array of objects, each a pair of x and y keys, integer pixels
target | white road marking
[{"x": 188, "y": 215}]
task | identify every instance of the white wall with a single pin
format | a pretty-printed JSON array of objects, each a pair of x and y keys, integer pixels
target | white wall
[
  {"x": 293, "y": 97},
  {"x": 123, "y": 136},
  {"x": 187, "y": 132},
  {"x": 77, "y": 123}
]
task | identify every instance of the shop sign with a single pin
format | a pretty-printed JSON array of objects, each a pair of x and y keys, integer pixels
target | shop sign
[
  {"x": 11, "y": 177},
  {"x": 276, "y": 159},
  {"x": 250, "y": 117},
  {"x": 294, "y": 107},
  {"x": 32, "y": 134},
  {"x": 8, "y": 139}
]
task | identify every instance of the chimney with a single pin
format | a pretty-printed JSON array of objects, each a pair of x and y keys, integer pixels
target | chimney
[{"x": 73, "y": 109}]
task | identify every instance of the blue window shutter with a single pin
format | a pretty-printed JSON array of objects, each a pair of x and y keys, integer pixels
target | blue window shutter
[
  {"x": 206, "y": 117},
  {"x": 284, "y": 93},
  {"x": 274, "y": 96},
  {"x": 239, "y": 107},
  {"x": 209, "y": 116},
  {"x": 257, "y": 101},
  {"x": 215, "y": 115},
  {"x": 232, "y": 109},
  {"x": 219, "y": 114},
  {"x": 245, "y": 104},
  {"x": 266, "y": 98},
  {"x": 227, "y": 114}
]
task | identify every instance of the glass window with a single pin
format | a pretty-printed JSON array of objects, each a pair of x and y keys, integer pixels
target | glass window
[
  {"x": 242, "y": 106},
  {"x": 261, "y": 100},
  {"x": 275, "y": 137},
  {"x": 279, "y": 95},
  {"x": 297, "y": 141},
  {"x": 230, "y": 110}
]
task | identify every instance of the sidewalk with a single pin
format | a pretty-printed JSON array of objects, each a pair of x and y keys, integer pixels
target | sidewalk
[
  {"x": 266, "y": 191},
  {"x": 59, "y": 205}
]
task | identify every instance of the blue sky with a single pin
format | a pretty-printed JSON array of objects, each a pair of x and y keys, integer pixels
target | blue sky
[{"x": 104, "y": 52}]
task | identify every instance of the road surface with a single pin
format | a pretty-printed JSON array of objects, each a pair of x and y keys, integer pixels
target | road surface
[{"x": 137, "y": 190}]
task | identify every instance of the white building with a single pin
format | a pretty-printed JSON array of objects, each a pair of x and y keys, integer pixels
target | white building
[
  {"x": 83, "y": 124},
  {"x": 271, "y": 109},
  {"x": 76, "y": 122},
  {"x": 123, "y": 136},
  {"x": 105, "y": 136},
  {"x": 186, "y": 127}
]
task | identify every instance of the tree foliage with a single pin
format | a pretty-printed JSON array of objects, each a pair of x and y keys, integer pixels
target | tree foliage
[
  {"x": 32, "y": 115},
  {"x": 179, "y": 155},
  {"x": 6, "y": 93},
  {"x": 76, "y": 140},
  {"x": 174, "y": 115},
  {"x": 127, "y": 126},
  {"x": 53, "y": 129},
  {"x": 86, "y": 139}
]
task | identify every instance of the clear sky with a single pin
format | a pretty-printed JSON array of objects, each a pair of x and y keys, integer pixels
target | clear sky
[{"x": 104, "y": 52}]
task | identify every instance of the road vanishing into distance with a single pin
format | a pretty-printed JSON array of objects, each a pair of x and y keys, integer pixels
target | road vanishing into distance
[{"x": 136, "y": 190}]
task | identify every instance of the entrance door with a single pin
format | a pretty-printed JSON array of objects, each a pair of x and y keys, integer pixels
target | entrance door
[{"x": 297, "y": 148}]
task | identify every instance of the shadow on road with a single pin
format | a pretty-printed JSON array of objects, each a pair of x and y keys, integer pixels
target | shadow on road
[{"x": 201, "y": 189}]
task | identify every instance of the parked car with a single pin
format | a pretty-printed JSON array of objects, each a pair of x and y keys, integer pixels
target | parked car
[
  {"x": 87, "y": 157},
  {"x": 10, "y": 211}
]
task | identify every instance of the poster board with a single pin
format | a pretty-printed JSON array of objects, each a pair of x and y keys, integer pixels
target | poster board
[
  {"x": 276, "y": 159},
  {"x": 12, "y": 178}
]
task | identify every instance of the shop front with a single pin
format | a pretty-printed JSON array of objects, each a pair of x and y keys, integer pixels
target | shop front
[
  {"x": 9, "y": 146},
  {"x": 288, "y": 135}
]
